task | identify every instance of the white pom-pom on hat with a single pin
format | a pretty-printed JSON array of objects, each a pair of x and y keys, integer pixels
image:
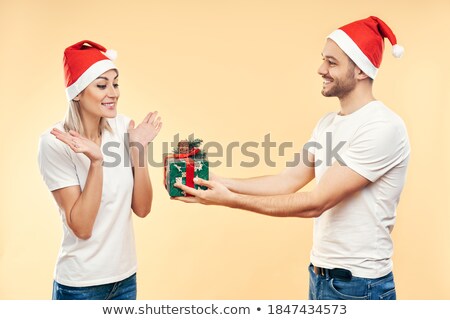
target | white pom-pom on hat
[
  {"x": 111, "y": 54},
  {"x": 398, "y": 51}
]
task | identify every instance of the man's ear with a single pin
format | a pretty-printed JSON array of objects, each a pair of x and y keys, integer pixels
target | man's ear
[{"x": 360, "y": 75}]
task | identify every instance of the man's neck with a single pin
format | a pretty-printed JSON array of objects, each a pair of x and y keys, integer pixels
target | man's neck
[{"x": 354, "y": 101}]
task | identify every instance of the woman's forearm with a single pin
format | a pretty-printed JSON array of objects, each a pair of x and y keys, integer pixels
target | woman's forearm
[
  {"x": 142, "y": 189},
  {"x": 82, "y": 216}
]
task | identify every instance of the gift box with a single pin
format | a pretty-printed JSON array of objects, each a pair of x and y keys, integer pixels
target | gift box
[{"x": 186, "y": 162}]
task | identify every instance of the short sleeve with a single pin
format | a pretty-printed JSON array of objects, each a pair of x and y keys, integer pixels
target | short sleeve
[
  {"x": 55, "y": 163},
  {"x": 312, "y": 144},
  {"x": 376, "y": 148}
]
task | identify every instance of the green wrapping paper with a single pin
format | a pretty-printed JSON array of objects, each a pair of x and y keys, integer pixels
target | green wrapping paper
[
  {"x": 176, "y": 172},
  {"x": 186, "y": 163}
]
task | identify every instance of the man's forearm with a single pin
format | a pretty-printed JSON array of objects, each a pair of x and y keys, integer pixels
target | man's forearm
[
  {"x": 258, "y": 186},
  {"x": 302, "y": 204}
]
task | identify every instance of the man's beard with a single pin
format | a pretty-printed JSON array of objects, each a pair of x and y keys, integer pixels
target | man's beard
[{"x": 341, "y": 87}]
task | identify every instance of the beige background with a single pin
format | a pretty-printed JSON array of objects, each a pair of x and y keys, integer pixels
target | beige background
[{"x": 228, "y": 71}]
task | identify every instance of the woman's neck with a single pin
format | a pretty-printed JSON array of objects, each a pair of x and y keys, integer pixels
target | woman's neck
[{"x": 91, "y": 126}]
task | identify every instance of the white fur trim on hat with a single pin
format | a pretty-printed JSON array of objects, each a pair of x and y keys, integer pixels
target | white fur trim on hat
[
  {"x": 111, "y": 54},
  {"x": 354, "y": 52},
  {"x": 88, "y": 76}
]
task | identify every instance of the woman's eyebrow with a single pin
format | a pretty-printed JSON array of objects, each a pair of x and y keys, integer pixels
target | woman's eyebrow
[{"x": 105, "y": 78}]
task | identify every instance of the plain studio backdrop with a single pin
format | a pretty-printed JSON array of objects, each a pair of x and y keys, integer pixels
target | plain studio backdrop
[{"x": 230, "y": 72}]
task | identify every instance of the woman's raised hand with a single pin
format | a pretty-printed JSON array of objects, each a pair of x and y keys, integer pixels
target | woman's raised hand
[
  {"x": 79, "y": 144},
  {"x": 146, "y": 131}
]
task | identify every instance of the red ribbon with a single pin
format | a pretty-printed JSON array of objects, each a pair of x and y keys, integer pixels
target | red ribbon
[
  {"x": 193, "y": 152},
  {"x": 190, "y": 166},
  {"x": 190, "y": 172}
]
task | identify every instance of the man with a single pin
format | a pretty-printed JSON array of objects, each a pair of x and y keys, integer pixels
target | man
[{"x": 355, "y": 198}]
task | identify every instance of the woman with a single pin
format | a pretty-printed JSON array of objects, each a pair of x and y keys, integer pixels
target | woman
[{"x": 94, "y": 192}]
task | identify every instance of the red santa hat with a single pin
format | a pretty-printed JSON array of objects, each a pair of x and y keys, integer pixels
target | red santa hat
[
  {"x": 83, "y": 63},
  {"x": 363, "y": 42}
]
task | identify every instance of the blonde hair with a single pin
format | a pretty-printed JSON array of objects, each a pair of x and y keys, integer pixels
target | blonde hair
[{"x": 73, "y": 121}]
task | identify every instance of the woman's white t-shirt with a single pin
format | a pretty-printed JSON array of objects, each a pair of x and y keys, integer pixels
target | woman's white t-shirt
[{"x": 109, "y": 255}]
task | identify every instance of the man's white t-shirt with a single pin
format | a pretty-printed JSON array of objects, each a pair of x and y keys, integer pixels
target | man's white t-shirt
[
  {"x": 109, "y": 255},
  {"x": 356, "y": 233}
]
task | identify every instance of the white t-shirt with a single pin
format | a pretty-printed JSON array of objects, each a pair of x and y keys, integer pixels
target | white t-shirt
[
  {"x": 356, "y": 233},
  {"x": 109, "y": 255}
]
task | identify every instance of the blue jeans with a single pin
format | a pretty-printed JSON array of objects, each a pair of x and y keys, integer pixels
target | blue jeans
[
  {"x": 121, "y": 290},
  {"x": 328, "y": 288}
]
